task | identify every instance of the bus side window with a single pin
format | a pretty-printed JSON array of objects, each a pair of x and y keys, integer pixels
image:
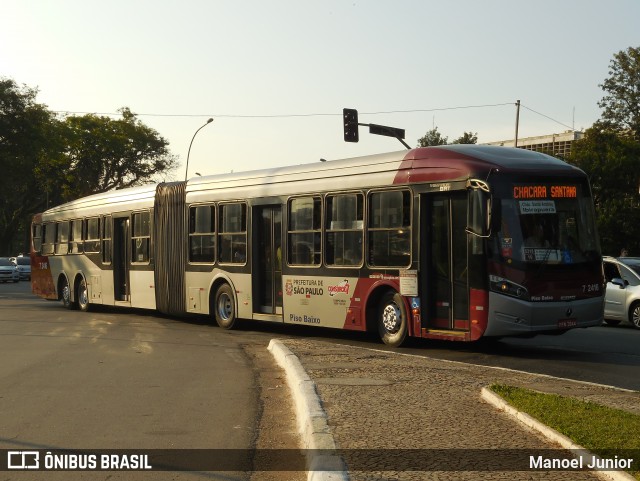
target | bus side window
[
  {"x": 62, "y": 238},
  {"x": 92, "y": 235},
  {"x": 141, "y": 237},
  {"x": 106, "y": 239},
  {"x": 36, "y": 235},
  {"x": 75, "y": 237},
  {"x": 390, "y": 228},
  {"x": 304, "y": 231},
  {"x": 202, "y": 235},
  {"x": 49, "y": 238},
  {"x": 232, "y": 233},
  {"x": 344, "y": 229}
]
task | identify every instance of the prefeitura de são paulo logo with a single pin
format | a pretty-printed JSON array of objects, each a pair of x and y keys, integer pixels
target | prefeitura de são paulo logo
[{"x": 288, "y": 287}]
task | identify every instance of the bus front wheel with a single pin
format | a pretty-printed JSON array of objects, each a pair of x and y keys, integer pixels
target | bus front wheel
[
  {"x": 392, "y": 319},
  {"x": 225, "y": 307}
]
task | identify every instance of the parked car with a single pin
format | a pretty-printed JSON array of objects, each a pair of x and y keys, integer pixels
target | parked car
[
  {"x": 23, "y": 263},
  {"x": 8, "y": 270},
  {"x": 622, "y": 299}
]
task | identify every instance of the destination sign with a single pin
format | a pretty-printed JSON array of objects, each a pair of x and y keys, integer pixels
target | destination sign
[{"x": 544, "y": 191}]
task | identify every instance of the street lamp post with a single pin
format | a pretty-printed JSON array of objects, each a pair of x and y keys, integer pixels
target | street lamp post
[{"x": 186, "y": 170}]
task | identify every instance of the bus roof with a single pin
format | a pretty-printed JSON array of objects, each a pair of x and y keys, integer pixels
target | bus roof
[
  {"x": 454, "y": 162},
  {"x": 505, "y": 157}
]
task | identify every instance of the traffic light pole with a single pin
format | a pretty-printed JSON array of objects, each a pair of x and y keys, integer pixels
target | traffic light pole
[
  {"x": 388, "y": 131},
  {"x": 350, "y": 123}
]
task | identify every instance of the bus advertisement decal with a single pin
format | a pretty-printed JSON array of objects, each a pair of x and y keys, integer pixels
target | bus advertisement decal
[{"x": 319, "y": 301}]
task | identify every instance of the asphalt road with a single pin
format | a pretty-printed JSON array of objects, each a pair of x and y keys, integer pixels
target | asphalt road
[{"x": 120, "y": 380}]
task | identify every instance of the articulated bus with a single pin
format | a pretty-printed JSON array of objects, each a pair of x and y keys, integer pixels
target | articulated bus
[{"x": 452, "y": 242}]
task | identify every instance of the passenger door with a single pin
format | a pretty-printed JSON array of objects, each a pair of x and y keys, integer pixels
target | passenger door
[
  {"x": 268, "y": 279},
  {"x": 444, "y": 264},
  {"x": 121, "y": 258}
]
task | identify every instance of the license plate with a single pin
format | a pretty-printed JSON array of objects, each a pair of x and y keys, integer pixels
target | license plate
[{"x": 567, "y": 323}]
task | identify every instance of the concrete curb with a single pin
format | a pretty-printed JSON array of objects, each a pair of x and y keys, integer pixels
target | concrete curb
[
  {"x": 311, "y": 418},
  {"x": 551, "y": 434}
]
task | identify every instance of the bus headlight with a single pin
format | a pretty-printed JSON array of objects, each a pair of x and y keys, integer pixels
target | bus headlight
[{"x": 504, "y": 286}]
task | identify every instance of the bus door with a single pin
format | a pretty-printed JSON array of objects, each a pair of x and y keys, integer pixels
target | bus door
[
  {"x": 121, "y": 258},
  {"x": 444, "y": 267},
  {"x": 267, "y": 279}
]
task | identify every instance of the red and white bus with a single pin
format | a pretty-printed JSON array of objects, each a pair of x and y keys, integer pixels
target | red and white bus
[{"x": 453, "y": 242}]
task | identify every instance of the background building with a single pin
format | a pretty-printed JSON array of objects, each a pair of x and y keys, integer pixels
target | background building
[{"x": 558, "y": 145}]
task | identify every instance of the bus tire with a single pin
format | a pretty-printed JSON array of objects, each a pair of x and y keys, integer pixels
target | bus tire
[
  {"x": 224, "y": 306},
  {"x": 82, "y": 296},
  {"x": 392, "y": 319},
  {"x": 65, "y": 294}
]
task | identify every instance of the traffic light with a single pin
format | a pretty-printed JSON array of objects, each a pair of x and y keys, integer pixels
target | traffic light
[{"x": 350, "y": 119}]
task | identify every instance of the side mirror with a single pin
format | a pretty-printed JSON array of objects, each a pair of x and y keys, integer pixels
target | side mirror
[
  {"x": 619, "y": 282},
  {"x": 479, "y": 210}
]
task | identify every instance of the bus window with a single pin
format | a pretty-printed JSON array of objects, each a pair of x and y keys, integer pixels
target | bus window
[
  {"x": 344, "y": 224},
  {"x": 390, "y": 229},
  {"x": 202, "y": 239},
  {"x": 92, "y": 235},
  {"x": 305, "y": 214},
  {"x": 37, "y": 238},
  {"x": 232, "y": 233},
  {"x": 62, "y": 238},
  {"x": 49, "y": 238},
  {"x": 141, "y": 237},
  {"x": 75, "y": 237},
  {"x": 106, "y": 239}
]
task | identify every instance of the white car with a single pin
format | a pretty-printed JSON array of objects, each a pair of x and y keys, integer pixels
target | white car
[
  {"x": 8, "y": 270},
  {"x": 23, "y": 263},
  {"x": 622, "y": 299}
]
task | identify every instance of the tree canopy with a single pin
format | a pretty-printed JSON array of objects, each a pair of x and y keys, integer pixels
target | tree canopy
[
  {"x": 610, "y": 155},
  {"x": 612, "y": 162},
  {"x": 26, "y": 140},
  {"x": 621, "y": 104},
  {"x": 46, "y": 160},
  {"x": 433, "y": 137},
  {"x": 103, "y": 154}
]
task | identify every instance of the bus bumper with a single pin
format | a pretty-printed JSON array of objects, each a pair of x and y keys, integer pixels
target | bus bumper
[{"x": 509, "y": 316}]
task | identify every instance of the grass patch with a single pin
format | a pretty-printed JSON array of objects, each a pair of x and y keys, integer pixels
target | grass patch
[{"x": 602, "y": 430}]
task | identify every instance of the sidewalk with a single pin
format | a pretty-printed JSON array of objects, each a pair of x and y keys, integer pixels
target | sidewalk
[{"x": 385, "y": 403}]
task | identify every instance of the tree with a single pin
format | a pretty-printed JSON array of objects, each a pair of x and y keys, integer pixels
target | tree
[
  {"x": 104, "y": 154},
  {"x": 27, "y": 138},
  {"x": 621, "y": 105},
  {"x": 432, "y": 137},
  {"x": 45, "y": 160},
  {"x": 612, "y": 162},
  {"x": 467, "y": 138}
]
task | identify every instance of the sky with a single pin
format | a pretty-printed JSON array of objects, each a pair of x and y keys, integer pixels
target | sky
[{"x": 275, "y": 74}]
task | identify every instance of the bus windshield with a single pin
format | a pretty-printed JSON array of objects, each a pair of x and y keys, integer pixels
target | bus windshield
[{"x": 547, "y": 224}]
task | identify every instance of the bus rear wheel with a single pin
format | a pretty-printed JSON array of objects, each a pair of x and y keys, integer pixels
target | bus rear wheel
[
  {"x": 225, "y": 307},
  {"x": 82, "y": 295},
  {"x": 392, "y": 319},
  {"x": 65, "y": 294}
]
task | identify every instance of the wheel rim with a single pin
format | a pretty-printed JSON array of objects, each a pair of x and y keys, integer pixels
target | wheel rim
[
  {"x": 66, "y": 294},
  {"x": 225, "y": 309},
  {"x": 635, "y": 316},
  {"x": 83, "y": 298},
  {"x": 391, "y": 318}
]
